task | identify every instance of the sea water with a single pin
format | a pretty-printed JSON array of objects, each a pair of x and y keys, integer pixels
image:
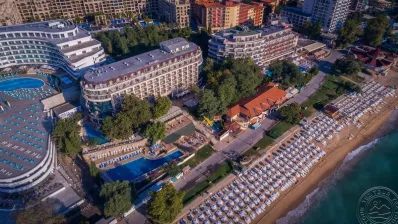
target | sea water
[{"x": 336, "y": 200}]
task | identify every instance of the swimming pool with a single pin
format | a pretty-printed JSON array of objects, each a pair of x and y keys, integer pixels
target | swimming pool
[
  {"x": 93, "y": 133},
  {"x": 20, "y": 83},
  {"x": 138, "y": 167}
]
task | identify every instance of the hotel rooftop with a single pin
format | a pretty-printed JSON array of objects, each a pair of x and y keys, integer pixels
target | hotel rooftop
[
  {"x": 240, "y": 31},
  {"x": 168, "y": 50}
]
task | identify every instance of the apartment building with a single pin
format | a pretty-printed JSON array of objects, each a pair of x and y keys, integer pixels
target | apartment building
[
  {"x": 9, "y": 14},
  {"x": 47, "y": 9},
  {"x": 331, "y": 14},
  {"x": 168, "y": 70},
  {"x": 263, "y": 45},
  {"x": 296, "y": 16},
  {"x": 58, "y": 43},
  {"x": 175, "y": 11},
  {"x": 217, "y": 16}
]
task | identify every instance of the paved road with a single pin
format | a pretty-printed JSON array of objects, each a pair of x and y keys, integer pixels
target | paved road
[
  {"x": 245, "y": 140},
  {"x": 324, "y": 66}
]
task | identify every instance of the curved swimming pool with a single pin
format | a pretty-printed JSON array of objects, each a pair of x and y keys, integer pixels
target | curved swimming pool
[
  {"x": 131, "y": 170},
  {"x": 19, "y": 83}
]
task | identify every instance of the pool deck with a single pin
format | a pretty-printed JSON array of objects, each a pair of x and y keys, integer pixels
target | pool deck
[
  {"x": 24, "y": 113},
  {"x": 111, "y": 166}
]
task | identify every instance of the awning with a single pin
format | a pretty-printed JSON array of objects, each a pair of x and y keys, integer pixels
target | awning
[{"x": 314, "y": 46}]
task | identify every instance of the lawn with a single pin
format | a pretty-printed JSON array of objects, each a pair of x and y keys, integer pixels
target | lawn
[
  {"x": 264, "y": 142},
  {"x": 330, "y": 90},
  {"x": 201, "y": 155},
  {"x": 259, "y": 146},
  {"x": 279, "y": 129},
  {"x": 217, "y": 175}
]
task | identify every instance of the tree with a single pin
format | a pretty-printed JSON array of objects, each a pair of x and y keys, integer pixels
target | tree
[
  {"x": 139, "y": 111},
  {"x": 108, "y": 128},
  {"x": 117, "y": 196},
  {"x": 195, "y": 90},
  {"x": 287, "y": 72},
  {"x": 155, "y": 131},
  {"x": 91, "y": 142},
  {"x": 38, "y": 214},
  {"x": 172, "y": 169},
  {"x": 134, "y": 113},
  {"x": 165, "y": 204},
  {"x": 162, "y": 106},
  {"x": 276, "y": 68},
  {"x": 347, "y": 66},
  {"x": 375, "y": 29},
  {"x": 291, "y": 113},
  {"x": 208, "y": 103},
  {"x": 313, "y": 31},
  {"x": 94, "y": 171},
  {"x": 247, "y": 75},
  {"x": 67, "y": 135},
  {"x": 350, "y": 32}
]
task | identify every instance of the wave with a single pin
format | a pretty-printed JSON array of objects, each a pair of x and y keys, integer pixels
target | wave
[
  {"x": 320, "y": 193},
  {"x": 299, "y": 211}
]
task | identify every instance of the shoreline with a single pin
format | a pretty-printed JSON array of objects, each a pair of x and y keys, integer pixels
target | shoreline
[{"x": 328, "y": 166}]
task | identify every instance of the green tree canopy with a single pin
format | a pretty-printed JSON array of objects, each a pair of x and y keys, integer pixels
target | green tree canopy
[
  {"x": 94, "y": 171},
  {"x": 162, "y": 106},
  {"x": 172, "y": 169},
  {"x": 117, "y": 196},
  {"x": 137, "y": 40},
  {"x": 375, "y": 29},
  {"x": 287, "y": 72},
  {"x": 38, "y": 214},
  {"x": 155, "y": 131},
  {"x": 311, "y": 30},
  {"x": 291, "y": 113},
  {"x": 347, "y": 66},
  {"x": 165, "y": 204},
  {"x": 350, "y": 32},
  {"x": 208, "y": 103},
  {"x": 134, "y": 113},
  {"x": 67, "y": 135}
]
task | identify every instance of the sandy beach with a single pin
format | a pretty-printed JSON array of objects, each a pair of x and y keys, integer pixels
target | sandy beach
[{"x": 372, "y": 128}]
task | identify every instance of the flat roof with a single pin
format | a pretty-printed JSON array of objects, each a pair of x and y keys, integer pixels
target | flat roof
[
  {"x": 45, "y": 26},
  {"x": 296, "y": 10},
  {"x": 237, "y": 31},
  {"x": 24, "y": 129},
  {"x": 65, "y": 107},
  {"x": 107, "y": 72}
]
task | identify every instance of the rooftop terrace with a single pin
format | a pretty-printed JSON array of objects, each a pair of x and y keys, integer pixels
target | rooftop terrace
[
  {"x": 52, "y": 26},
  {"x": 23, "y": 124}
]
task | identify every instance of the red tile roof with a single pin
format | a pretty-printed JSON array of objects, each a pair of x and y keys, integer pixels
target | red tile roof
[{"x": 267, "y": 96}]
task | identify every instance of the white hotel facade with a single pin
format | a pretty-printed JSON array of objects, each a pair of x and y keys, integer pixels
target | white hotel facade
[
  {"x": 171, "y": 69},
  {"x": 57, "y": 43}
]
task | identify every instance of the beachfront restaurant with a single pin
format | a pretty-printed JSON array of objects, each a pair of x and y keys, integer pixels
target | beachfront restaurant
[{"x": 252, "y": 110}]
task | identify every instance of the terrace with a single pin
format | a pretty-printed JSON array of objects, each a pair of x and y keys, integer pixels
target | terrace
[{"x": 23, "y": 124}]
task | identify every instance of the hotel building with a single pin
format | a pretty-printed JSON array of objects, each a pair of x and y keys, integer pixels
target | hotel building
[
  {"x": 58, "y": 43},
  {"x": 168, "y": 70},
  {"x": 331, "y": 14},
  {"x": 263, "y": 45},
  {"x": 218, "y": 16},
  {"x": 47, "y": 9},
  {"x": 175, "y": 11}
]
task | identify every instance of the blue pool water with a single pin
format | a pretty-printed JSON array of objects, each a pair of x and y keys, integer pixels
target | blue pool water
[
  {"x": 138, "y": 167},
  {"x": 93, "y": 133},
  {"x": 19, "y": 83},
  {"x": 268, "y": 73}
]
